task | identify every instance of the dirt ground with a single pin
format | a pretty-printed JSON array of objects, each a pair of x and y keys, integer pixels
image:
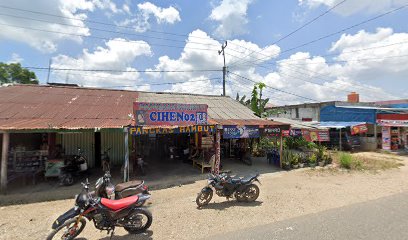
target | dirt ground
[{"x": 283, "y": 195}]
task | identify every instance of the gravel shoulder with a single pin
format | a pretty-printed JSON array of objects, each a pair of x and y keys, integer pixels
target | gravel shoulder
[{"x": 284, "y": 195}]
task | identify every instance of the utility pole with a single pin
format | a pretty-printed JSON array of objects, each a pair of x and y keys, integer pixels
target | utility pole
[
  {"x": 224, "y": 69},
  {"x": 49, "y": 71}
]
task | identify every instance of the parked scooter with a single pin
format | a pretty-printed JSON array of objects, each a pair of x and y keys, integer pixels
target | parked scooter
[
  {"x": 74, "y": 167},
  {"x": 105, "y": 188},
  {"x": 243, "y": 189},
  {"x": 105, "y": 160},
  {"x": 106, "y": 215}
]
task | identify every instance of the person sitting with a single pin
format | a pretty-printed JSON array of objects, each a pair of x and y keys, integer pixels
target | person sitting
[{"x": 193, "y": 151}]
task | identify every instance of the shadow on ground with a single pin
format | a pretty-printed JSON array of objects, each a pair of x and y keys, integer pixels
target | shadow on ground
[
  {"x": 159, "y": 176},
  {"x": 228, "y": 204}
]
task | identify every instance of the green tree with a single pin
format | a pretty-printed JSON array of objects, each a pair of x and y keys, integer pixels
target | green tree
[
  {"x": 256, "y": 103},
  {"x": 14, "y": 73}
]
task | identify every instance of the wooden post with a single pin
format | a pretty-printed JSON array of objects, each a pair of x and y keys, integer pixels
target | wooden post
[
  {"x": 340, "y": 140},
  {"x": 217, "y": 151},
  {"x": 4, "y": 160},
  {"x": 280, "y": 150},
  {"x": 126, "y": 167}
]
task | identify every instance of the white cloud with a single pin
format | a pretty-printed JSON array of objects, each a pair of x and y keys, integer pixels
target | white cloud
[
  {"x": 232, "y": 17},
  {"x": 118, "y": 54},
  {"x": 195, "y": 59},
  {"x": 148, "y": 11},
  {"x": 45, "y": 41},
  {"x": 351, "y": 7},
  {"x": 15, "y": 58}
]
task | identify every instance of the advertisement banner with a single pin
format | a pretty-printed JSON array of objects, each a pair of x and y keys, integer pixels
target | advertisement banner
[
  {"x": 272, "y": 131},
  {"x": 139, "y": 130},
  {"x": 240, "y": 132},
  {"x": 323, "y": 136},
  {"x": 357, "y": 129},
  {"x": 306, "y": 135},
  {"x": 295, "y": 132},
  {"x": 167, "y": 114},
  {"x": 386, "y": 138}
]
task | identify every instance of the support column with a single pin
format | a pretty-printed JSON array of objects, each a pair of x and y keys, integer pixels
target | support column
[
  {"x": 340, "y": 145},
  {"x": 280, "y": 150},
  {"x": 126, "y": 163},
  {"x": 217, "y": 151},
  {"x": 4, "y": 159}
]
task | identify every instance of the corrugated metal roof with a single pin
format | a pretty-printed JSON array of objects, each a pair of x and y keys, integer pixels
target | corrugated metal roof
[
  {"x": 299, "y": 124},
  {"x": 65, "y": 107}
]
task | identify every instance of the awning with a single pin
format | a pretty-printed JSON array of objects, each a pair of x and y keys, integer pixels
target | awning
[{"x": 339, "y": 125}]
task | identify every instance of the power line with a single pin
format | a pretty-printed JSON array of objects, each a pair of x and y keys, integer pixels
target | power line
[
  {"x": 114, "y": 70},
  {"x": 107, "y": 39},
  {"x": 167, "y": 83},
  {"x": 300, "y": 28},
  {"x": 115, "y": 25},
  {"x": 104, "y": 30},
  {"x": 334, "y": 33},
  {"x": 277, "y": 89}
]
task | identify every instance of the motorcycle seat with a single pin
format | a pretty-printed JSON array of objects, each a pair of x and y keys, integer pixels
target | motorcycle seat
[
  {"x": 235, "y": 180},
  {"x": 119, "y": 204},
  {"x": 246, "y": 180},
  {"x": 131, "y": 184}
]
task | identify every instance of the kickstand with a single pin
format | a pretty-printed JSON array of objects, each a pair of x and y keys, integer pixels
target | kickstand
[{"x": 111, "y": 233}]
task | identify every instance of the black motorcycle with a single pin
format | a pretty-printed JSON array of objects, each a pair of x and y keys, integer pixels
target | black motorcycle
[
  {"x": 74, "y": 166},
  {"x": 106, "y": 214},
  {"x": 243, "y": 189},
  {"x": 105, "y": 188}
]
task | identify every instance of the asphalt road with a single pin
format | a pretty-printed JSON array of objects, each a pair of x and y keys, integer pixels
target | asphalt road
[{"x": 384, "y": 218}]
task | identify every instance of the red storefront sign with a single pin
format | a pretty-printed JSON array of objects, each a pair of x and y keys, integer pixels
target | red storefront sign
[
  {"x": 164, "y": 114},
  {"x": 357, "y": 129}
]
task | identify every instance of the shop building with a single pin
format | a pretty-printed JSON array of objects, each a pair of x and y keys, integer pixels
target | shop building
[{"x": 35, "y": 120}]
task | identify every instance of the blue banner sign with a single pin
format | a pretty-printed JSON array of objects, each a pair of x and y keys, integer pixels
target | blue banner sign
[{"x": 240, "y": 132}]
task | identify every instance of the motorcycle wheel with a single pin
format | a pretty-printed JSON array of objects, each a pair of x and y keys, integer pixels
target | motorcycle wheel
[
  {"x": 68, "y": 180},
  {"x": 134, "y": 222},
  {"x": 204, "y": 198},
  {"x": 251, "y": 193},
  {"x": 70, "y": 231}
]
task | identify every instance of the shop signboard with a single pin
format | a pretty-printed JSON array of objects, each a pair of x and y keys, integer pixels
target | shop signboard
[
  {"x": 286, "y": 133},
  {"x": 295, "y": 132},
  {"x": 272, "y": 131},
  {"x": 139, "y": 130},
  {"x": 306, "y": 135},
  {"x": 386, "y": 138},
  {"x": 392, "y": 123},
  {"x": 323, "y": 136},
  {"x": 240, "y": 132},
  {"x": 357, "y": 129},
  {"x": 169, "y": 114}
]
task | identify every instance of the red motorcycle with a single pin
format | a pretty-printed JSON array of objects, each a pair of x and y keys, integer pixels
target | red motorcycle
[{"x": 106, "y": 214}]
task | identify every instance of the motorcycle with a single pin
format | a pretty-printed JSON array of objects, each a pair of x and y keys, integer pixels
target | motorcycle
[
  {"x": 106, "y": 215},
  {"x": 105, "y": 160},
  {"x": 243, "y": 189},
  {"x": 74, "y": 166},
  {"x": 106, "y": 189}
]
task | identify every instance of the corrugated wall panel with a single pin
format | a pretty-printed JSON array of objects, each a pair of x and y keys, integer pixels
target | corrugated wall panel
[
  {"x": 85, "y": 140},
  {"x": 115, "y": 140}
]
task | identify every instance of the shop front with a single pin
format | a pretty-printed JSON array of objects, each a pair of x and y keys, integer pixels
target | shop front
[
  {"x": 394, "y": 129},
  {"x": 166, "y": 134}
]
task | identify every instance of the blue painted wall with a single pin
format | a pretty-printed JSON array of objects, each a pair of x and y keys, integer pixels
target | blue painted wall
[{"x": 338, "y": 114}]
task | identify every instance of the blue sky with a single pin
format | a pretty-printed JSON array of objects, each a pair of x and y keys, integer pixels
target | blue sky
[{"x": 171, "y": 35}]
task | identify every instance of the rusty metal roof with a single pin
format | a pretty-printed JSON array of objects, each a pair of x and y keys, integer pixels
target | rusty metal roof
[{"x": 66, "y": 107}]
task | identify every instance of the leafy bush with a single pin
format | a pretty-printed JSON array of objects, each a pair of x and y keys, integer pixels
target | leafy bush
[
  {"x": 346, "y": 160},
  {"x": 313, "y": 158}
]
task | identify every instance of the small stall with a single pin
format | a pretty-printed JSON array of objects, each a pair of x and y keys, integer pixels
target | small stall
[
  {"x": 345, "y": 135},
  {"x": 394, "y": 129}
]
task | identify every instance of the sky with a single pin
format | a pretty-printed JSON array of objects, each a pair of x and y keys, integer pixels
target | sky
[{"x": 303, "y": 50}]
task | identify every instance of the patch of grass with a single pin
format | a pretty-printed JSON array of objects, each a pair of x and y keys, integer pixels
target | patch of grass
[
  {"x": 346, "y": 160},
  {"x": 365, "y": 163}
]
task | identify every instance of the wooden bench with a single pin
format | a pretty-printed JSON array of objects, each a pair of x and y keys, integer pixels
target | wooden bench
[{"x": 201, "y": 163}]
